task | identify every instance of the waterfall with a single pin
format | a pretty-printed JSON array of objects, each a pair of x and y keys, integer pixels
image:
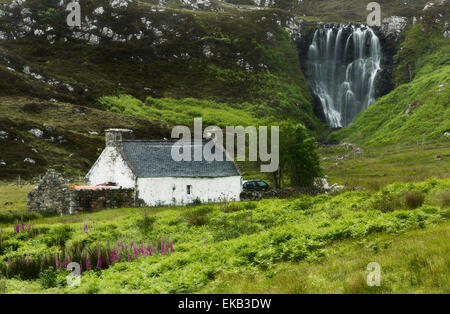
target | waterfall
[{"x": 343, "y": 62}]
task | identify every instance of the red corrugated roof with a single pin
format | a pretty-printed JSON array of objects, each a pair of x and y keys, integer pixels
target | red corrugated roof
[{"x": 98, "y": 187}]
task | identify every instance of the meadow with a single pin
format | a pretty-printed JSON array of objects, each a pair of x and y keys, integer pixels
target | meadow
[
  {"x": 218, "y": 247},
  {"x": 375, "y": 167}
]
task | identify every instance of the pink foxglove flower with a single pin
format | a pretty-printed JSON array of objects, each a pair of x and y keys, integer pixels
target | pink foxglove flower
[{"x": 99, "y": 261}]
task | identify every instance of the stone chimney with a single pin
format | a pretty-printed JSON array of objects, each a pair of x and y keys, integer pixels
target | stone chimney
[{"x": 114, "y": 137}]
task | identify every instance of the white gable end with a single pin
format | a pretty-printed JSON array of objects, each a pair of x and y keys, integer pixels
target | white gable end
[{"x": 111, "y": 167}]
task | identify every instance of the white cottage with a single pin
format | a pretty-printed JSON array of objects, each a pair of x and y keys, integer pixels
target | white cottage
[{"x": 148, "y": 167}]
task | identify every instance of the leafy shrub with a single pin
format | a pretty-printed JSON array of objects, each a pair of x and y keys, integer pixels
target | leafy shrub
[
  {"x": 197, "y": 216},
  {"x": 302, "y": 203},
  {"x": 27, "y": 267},
  {"x": 237, "y": 206},
  {"x": 414, "y": 199},
  {"x": 387, "y": 201},
  {"x": 230, "y": 227},
  {"x": 250, "y": 205},
  {"x": 48, "y": 277},
  {"x": 13, "y": 216},
  {"x": 3, "y": 288},
  {"x": 335, "y": 214},
  {"x": 231, "y": 207},
  {"x": 58, "y": 236},
  {"x": 145, "y": 224},
  {"x": 444, "y": 199},
  {"x": 9, "y": 245}
]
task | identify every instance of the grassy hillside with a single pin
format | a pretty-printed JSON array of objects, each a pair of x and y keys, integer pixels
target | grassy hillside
[
  {"x": 419, "y": 105},
  {"x": 72, "y": 136},
  {"x": 337, "y": 11},
  {"x": 211, "y": 242},
  {"x": 184, "y": 111},
  {"x": 375, "y": 167},
  {"x": 410, "y": 263}
]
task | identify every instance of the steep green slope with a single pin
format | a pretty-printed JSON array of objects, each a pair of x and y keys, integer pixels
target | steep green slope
[
  {"x": 175, "y": 111},
  {"x": 414, "y": 108},
  {"x": 36, "y": 134}
]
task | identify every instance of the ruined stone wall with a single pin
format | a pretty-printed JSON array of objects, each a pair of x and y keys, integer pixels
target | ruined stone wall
[
  {"x": 54, "y": 196},
  {"x": 92, "y": 200},
  {"x": 51, "y": 195}
]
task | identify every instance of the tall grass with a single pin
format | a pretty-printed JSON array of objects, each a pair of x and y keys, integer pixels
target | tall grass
[{"x": 183, "y": 111}]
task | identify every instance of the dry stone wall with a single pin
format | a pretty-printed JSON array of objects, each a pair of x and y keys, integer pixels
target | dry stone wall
[
  {"x": 92, "y": 200},
  {"x": 53, "y": 195}
]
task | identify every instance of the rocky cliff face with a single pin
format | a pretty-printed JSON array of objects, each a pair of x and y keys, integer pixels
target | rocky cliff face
[
  {"x": 116, "y": 20},
  {"x": 132, "y": 35},
  {"x": 393, "y": 26}
]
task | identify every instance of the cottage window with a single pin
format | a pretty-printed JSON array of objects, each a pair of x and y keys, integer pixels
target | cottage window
[{"x": 189, "y": 189}]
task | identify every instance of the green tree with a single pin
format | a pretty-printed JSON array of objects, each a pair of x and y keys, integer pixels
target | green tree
[{"x": 299, "y": 161}]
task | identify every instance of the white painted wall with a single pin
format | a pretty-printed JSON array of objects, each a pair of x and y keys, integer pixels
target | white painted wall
[
  {"x": 173, "y": 191},
  {"x": 110, "y": 167}
]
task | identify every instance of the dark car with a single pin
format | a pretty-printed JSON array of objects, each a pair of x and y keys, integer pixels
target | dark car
[{"x": 255, "y": 185}]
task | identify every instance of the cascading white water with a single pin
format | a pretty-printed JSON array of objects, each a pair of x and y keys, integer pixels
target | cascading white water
[{"x": 343, "y": 62}]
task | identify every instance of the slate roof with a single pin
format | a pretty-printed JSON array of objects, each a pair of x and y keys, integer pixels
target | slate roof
[{"x": 151, "y": 159}]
